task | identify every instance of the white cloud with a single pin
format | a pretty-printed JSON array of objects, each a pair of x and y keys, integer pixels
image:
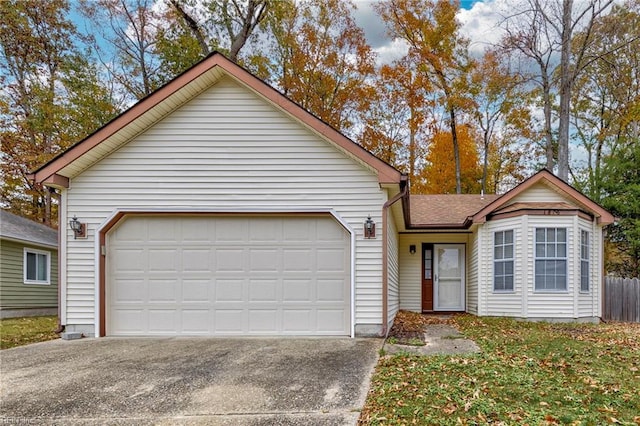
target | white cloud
[{"x": 481, "y": 23}]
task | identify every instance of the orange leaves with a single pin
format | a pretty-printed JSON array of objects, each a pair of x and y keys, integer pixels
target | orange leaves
[
  {"x": 322, "y": 60},
  {"x": 439, "y": 175}
]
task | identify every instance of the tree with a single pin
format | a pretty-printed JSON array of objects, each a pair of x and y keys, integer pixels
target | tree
[
  {"x": 227, "y": 24},
  {"x": 396, "y": 126},
  {"x": 548, "y": 31},
  {"x": 502, "y": 115},
  {"x": 432, "y": 32},
  {"x": 129, "y": 27},
  {"x": 320, "y": 60},
  {"x": 440, "y": 171},
  {"x": 52, "y": 97},
  {"x": 621, "y": 185},
  {"x": 606, "y": 100}
]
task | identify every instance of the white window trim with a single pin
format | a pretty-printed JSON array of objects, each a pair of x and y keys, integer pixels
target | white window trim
[
  {"x": 24, "y": 266},
  {"x": 512, "y": 259},
  {"x": 588, "y": 260},
  {"x": 565, "y": 258}
]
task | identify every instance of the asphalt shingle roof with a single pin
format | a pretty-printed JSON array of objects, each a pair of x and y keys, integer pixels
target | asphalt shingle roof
[
  {"x": 446, "y": 209},
  {"x": 18, "y": 228}
]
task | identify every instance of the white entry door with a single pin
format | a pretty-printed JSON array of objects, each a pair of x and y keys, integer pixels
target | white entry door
[{"x": 448, "y": 270}]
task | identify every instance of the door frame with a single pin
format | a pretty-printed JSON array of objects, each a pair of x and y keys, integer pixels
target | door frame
[{"x": 463, "y": 277}]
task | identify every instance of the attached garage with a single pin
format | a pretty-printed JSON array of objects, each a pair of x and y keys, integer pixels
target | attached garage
[{"x": 173, "y": 275}]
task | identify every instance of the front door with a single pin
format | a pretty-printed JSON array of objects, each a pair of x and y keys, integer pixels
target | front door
[{"x": 448, "y": 277}]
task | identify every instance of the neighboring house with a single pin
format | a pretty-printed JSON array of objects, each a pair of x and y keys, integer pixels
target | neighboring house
[
  {"x": 28, "y": 267},
  {"x": 217, "y": 206}
]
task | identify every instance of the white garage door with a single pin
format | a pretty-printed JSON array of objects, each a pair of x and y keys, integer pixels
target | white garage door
[{"x": 228, "y": 275}]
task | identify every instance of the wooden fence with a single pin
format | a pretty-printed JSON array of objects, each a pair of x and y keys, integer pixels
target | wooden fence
[{"x": 621, "y": 299}]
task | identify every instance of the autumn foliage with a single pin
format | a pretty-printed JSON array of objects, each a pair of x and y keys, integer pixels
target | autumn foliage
[{"x": 439, "y": 174}]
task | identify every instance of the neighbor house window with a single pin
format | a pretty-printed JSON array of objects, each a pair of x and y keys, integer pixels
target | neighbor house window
[
  {"x": 551, "y": 259},
  {"x": 37, "y": 266},
  {"x": 503, "y": 261},
  {"x": 584, "y": 261}
]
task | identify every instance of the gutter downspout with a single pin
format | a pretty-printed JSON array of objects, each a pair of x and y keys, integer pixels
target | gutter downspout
[
  {"x": 385, "y": 251},
  {"x": 60, "y": 327}
]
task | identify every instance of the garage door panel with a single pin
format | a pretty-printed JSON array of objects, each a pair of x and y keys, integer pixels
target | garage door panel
[
  {"x": 297, "y": 290},
  {"x": 130, "y": 259},
  {"x": 196, "y": 291},
  {"x": 196, "y": 260},
  {"x": 331, "y": 320},
  {"x": 163, "y": 321},
  {"x": 261, "y": 230},
  {"x": 297, "y": 320},
  {"x": 196, "y": 321},
  {"x": 330, "y": 290},
  {"x": 127, "y": 291},
  {"x": 263, "y": 321},
  {"x": 239, "y": 275},
  {"x": 297, "y": 260},
  {"x": 163, "y": 230},
  {"x": 230, "y": 290},
  {"x": 229, "y": 321},
  {"x": 264, "y": 260},
  {"x": 232, "y": 231},
  {"x": 263, "y": 290},
  {"x": 229, "y": 260},
  {"x": 163, "y": 291},
  {"x": 330, "y": 260}
]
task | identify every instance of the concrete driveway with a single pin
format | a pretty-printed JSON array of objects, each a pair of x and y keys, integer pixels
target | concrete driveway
[{"x": 251, "y": 381}]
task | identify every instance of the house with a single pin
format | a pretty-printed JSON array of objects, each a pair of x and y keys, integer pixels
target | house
[
  {"x": 217, "y": 206},
  {"x": 28, "y": 267}
]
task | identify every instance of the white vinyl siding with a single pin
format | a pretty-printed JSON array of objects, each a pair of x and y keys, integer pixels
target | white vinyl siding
[
  {"x": 393, "y": 299},
  {"x": 473, "y": 271},
  {"x": 226, "y": 150},
  {"x": 539, "y": 193},
  {"x": 584, "y": 261},
  {"x": 501, "y": 303},
  {"x": 589, "y": 302},
  {"x": 503, "y": 253},
  {"x": 37, "y": 266}
]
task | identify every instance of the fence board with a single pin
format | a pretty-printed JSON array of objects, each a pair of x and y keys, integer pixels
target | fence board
[{"x": 622, "y": 299}]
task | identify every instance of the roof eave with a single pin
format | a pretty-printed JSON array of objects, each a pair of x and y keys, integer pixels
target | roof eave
[{"x": 49, "y": 172}]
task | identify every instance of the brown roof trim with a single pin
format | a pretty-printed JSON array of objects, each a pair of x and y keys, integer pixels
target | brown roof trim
[
  {"x": 603, "y": 217},
  {"x": 386, "y": 173},
  {"x": 541, "y": 212}
]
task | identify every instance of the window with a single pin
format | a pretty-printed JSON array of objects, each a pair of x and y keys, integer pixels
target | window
[
  {"x": 37, "y": 266},
  {"x": 551, "y": 259},
  {"x": 503, "y": 261},
  {"x": 584, "y": 261}
]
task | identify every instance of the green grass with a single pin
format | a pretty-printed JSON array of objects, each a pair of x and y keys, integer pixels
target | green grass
[
  {"x": 22, "y": 331},
  {"x": 527, "y": 373}
]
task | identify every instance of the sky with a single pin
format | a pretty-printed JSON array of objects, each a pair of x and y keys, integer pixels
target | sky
[{"x": 479, "y": 21}]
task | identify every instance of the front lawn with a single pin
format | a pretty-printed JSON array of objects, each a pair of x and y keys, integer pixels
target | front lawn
[
  {"x": 22, "y": 331},
  {"x": 527, "y": 373}
]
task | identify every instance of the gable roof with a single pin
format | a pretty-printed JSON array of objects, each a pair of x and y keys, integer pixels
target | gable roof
[
  {"x": 446, "y": 210},
  {"x": 171, "y": 96},
  {"x": 547, "y": 178},
  {"x": 18, "y": 228},
  {"x": 460, "y": 211}
]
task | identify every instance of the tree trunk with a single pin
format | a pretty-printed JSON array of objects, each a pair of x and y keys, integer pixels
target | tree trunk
[
  {"x": 193, "y": 26},
  {"x": 456, "y": 148},
  {"x": 485, "y": 161},
  {"x": 565, "y": 92}
]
